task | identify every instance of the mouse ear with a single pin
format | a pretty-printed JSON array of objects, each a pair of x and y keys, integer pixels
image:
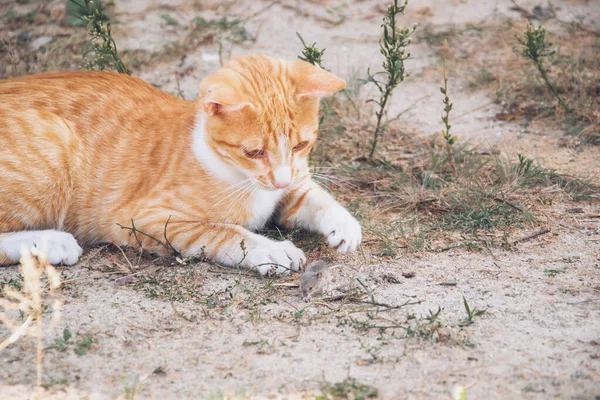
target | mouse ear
[{"x": 319, "y": 275}]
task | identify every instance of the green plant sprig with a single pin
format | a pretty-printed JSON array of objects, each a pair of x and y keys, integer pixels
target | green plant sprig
[
  {"x": 101, "y": 45},
  {"x": 471, "y": 313},
  {"x": 450, "y": 140},
  {"x": 535, "y": 48},
  {"x": 80, "y": 346},
  {"x": 311, "y": 53},
  {"x": 392, "y": 46}
]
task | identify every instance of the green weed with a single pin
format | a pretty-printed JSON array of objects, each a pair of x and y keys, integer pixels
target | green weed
[
  {"x": 349, "y": 388},
  {"x": 392, "y": 46},
  {"x": 311, "y": 53},
  {"x": 471, "y": 313},
  {"x": 536, "y": 49},
  {"x": 101, "y": 50},
  {"x": 169, "y": 20},
  {"x": 77, "y": 15},
  {"x": 428, "y": 327},
  {"x": 81, "y": 344},
  {"x": 13, "y": 283},
  {"x": 450, "y": 140}
]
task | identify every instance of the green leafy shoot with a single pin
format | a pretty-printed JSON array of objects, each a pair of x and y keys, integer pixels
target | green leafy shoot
[
  {"x": 348, "y": 389},
  {"x": 471, "y": 313},
  {"x": 80, "y": 346},
  {"x": 169, "y": 20},
  {"x": 100, "y": 51},
  {"x": 450, "y": 140},
  {"x": 392, "y": 46},
  {"x": 311, "y": 53},
  {"x": 535, "y": 48}
]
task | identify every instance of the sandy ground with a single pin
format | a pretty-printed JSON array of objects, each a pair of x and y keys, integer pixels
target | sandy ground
[{"x": 239, "y": 335}]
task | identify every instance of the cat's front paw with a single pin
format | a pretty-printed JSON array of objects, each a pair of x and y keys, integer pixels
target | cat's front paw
[
  {"x": 341, "y": 229},
  {"x": 269, "y": 256},
  {"x": 56, "y": 247}
]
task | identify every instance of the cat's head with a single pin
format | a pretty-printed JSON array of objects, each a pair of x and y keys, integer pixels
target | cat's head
[{"x": 261, "y": 116}]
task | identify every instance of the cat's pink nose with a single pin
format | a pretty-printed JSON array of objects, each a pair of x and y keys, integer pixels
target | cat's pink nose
[
  {"x": 282, "y": 177},
  {"x": 281, "y": 185}
]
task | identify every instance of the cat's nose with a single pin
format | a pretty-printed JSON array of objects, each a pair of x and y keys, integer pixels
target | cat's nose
[{"x": 282, "y": 177}]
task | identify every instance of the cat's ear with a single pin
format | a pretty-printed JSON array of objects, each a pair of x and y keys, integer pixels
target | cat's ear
[
  {"x": 219, "y": 95},
  {"x": 314, "y": 81},
  {"x": 222, "y": 99}
]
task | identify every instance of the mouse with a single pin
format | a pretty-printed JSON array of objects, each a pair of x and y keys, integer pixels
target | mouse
[{"x": 315, "y": 277}]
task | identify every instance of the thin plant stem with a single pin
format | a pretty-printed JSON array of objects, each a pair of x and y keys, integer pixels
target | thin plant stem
[
  {"x": 450, "y": 140},
  {"x": 544, "y": 74},
  {"x": 535, "y": 48},
  {"x": 101, "y": 45},
  {"x": 392, "y": 46},
  {"x": 40, "y": 354}
]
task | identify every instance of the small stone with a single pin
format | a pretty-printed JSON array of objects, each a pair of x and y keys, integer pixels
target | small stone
[
  {"x": 23, "y": 36},
  {"x": 544, "y": 12},
  {"x": 578, "y": 210},
  {"x": 390, "y": 278},
  {"x": 447, "y": 283},
  {"x": 210, "y": 57},
  {"x": 40, "y": 42}
]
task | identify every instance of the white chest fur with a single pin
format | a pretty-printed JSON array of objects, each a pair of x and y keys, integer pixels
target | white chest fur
[{"x": 263, "y": 206}]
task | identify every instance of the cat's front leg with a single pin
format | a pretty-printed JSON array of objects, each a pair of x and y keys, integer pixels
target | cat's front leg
[
  {"x": 227, "y": 244},
  {"x": 309, "y": 206}
]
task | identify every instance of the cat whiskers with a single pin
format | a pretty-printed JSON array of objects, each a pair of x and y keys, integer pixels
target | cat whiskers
[
  {"x": 237, "y": 189},
  {"x": 322, "y": 181},
  {"x": 310, "y": 176},
  {"x": 233, "y": 202},
  {"x": 342, "y": 183}
]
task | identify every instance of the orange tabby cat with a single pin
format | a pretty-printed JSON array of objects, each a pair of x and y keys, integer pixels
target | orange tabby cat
[{"x": 82, "y": 153}]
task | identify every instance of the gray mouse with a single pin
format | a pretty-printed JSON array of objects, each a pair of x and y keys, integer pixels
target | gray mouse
[{"x": 315, "y": 277}]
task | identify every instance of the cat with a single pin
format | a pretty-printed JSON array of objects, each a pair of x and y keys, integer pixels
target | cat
[{"x": 89, "y": 157}]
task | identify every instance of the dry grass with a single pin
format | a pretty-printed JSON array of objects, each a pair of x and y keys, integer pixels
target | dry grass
[
  {"x": 31, "y": 300},
  {"x": 418, "y": 196}
]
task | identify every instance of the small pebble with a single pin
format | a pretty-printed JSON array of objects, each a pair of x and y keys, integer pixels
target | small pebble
[
  {"x": 40, "y": 42},
  {"x": 447, "y": 283},
  {"x": 23, "y": 36},
  {"x": 125, "y": 280}
]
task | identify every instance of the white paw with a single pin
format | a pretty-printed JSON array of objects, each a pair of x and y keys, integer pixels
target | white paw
[
  {"x": 341, "y": 229},
  {"x": 269, "y": 256},
  {"x": 55, "y": 246}
]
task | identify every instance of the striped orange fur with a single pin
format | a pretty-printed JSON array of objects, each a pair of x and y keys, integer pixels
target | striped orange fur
[{"x": 84, "y": 153}]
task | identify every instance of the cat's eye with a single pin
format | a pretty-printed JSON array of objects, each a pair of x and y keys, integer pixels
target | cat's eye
[
  {"x": 254, "y": 153},
  {"x": 300, "y": 146}
]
